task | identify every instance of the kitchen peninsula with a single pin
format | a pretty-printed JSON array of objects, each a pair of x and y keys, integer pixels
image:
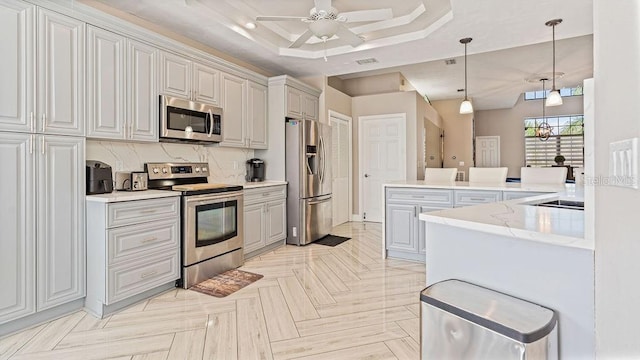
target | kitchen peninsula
[{"x": 535, "y": 253}]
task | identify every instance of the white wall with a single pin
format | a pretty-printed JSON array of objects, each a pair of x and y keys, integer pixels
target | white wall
[
  {"x": 458, "y": 134},
  {"x": 617, "y": 227},
  {"x": 509, "y": 125}
]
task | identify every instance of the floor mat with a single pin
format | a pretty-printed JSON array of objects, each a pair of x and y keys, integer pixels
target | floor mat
[
  {"x": 226, "y": 283},
  {"x": 331, "y": 240}
]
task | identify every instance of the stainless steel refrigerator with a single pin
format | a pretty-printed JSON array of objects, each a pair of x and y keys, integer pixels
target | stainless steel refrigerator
[{"x": 308, "y": 170}]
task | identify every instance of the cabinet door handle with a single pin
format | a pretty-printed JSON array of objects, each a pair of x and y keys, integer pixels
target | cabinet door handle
[
  {"x": 42, "y": 149},
  {"x": 32, "y": 122},
  {"x": 415, "y": 211},
  {"x": 31, "y": 141},
  {"x": 148, "y": 211},
  {"x": 44, "y": 120},
  {"x": 195, "y": 94},
  {"x": 147, "y": 274},
  {"x": 477, "y": 199},
  {"x": 148, "y": 240},
  {"x": 265, "y": 194}
]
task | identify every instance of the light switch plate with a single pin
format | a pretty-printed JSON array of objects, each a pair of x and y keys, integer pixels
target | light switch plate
[
  {"x": 461, "y": 163},
  {"x": 623, "y": 163}
]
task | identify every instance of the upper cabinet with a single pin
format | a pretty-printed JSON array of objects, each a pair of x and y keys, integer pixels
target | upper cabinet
[
  {"x": 186, "y": 79},
  {"x": 257, "y": 116},
  {"x": 301, "y": 105},
  {"x": 17, "y": 71},
  {"x": 56, "y": 104},
  {"x": 122, "y": 99},
  {"x": 234, "y": 116},
  {"x": 61, "y": 80}
]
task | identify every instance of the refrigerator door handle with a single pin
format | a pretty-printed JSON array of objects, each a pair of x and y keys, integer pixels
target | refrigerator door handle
[
  {"x": 324, "y": 161},
  {"x": 319, "y": 201}
]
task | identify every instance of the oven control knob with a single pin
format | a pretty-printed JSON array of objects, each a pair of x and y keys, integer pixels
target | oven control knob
[
  {"x": 197, "y": 169},
  {"x": 155, "y": 170},
  {"x": 164, "y": 170},
  {"x": 204, "y": 169}
]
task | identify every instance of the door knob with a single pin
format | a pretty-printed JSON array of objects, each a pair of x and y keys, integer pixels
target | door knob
[{"x": 366, "y": 175}]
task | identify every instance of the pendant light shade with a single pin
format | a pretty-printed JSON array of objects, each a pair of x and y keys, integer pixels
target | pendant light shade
[
  {"x": 554, "y": 98},
  {"x": 543, "y": 131},
  {"x": 466, "y": 107}
]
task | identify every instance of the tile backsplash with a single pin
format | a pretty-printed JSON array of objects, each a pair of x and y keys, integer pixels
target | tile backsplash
[{"x": 226, "y": 165}]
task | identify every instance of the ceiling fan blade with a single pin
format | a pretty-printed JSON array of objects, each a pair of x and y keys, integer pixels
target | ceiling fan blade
[
  {"x": 302, "y": 39},
  {"x": 323, "y": 5},
  {"x": 349, "y": 36},
  {"x": 280, "y": 18},
  {"x": 367, "y": 15}
]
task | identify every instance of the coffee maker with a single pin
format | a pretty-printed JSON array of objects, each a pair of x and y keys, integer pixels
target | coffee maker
[{"x": 255, "y": 170}]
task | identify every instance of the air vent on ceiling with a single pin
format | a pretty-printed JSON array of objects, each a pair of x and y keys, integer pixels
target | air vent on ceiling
[
  {"x": 450, "y": 62},
  {"x": 367, "y": 61}
]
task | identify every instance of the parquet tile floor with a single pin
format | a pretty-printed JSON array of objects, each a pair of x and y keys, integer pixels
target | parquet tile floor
[{"x": 314, "y": 302}]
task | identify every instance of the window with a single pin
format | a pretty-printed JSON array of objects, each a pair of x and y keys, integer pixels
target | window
[
  {"x": 564, "y": 92},
  {"x": 567, "y": 139}
]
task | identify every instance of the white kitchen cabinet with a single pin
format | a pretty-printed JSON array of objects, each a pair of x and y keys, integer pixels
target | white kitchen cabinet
[
  {"x": 61, "y": 71},
  {"x": 475, "y": 197},
  {"x": 61, "y": 225},
  {"x": 187, "y": 79},
  {"x": 206, "y": 84},
  {"x": 175, "y": 76},
  {"x": 404, "y": 233},
  {"x": 43, "y": 222},
  {"x": 133, "y": 250},
  {"x": 234, "y": 116},
  {"x": 257, "y": 116},
  {"x": 56, "y": 104},
  {"x": 18, "y": 224},
  {"x": 105, "y": 84},
  {"x": 301, "y": 105},
  {"x": 122, "y": 99},
  {"x": 265, "y": 219},
  {"x": 142, "y": 91},
  {"x": 17, "y": 70}
]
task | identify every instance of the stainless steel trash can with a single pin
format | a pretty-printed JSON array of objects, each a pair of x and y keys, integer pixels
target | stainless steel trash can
[{"x": 465, "y": 321}]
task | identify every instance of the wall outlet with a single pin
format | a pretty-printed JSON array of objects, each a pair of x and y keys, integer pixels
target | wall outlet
[
  {"x": 461, "y": 163},
  {"x": 235, "y": 165},
  {"x": 623, "y": 163}
]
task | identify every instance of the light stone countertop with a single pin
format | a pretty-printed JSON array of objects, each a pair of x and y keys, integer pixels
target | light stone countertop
[
  {"x": 259, "y": 184},
  {"x": 465, "y": 185},
  {"x": 118, "y": 196},
  {"x": 518, "y": 219}
]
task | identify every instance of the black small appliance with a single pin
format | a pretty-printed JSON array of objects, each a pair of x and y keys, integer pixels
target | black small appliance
[
  {"x": 255, "y": 170},
  {"x": 99, "y": 179}
]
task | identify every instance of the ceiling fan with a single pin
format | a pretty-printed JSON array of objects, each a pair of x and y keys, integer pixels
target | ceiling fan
[{"x": 325, "y": 21}]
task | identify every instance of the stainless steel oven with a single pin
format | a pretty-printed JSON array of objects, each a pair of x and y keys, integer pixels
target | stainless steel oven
[
  {"x": 212, "y": 219},
  {"x": 184, "y": 120},
  {"x": 212, "y": 233}
]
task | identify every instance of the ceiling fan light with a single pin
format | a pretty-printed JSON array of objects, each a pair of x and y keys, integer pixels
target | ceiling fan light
[
  {"x": 324, "y": 28},
  {"x": 466, "y": 107},
  {"x": 554, "y": 98}
]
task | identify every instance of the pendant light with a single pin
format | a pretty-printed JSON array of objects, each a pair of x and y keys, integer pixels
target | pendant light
[
  {"x": 554, "y": 98},
  {"x": 543, "y": 131},
  {"x": 466, "y": 107}
]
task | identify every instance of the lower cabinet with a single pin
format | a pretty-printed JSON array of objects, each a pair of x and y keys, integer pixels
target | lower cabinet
[
  {"x": 133, "y": 248},
  {"x": 265, "y": 217},
  {"x": 404, "y": 232},
  {"x": 43, "y": 219}
]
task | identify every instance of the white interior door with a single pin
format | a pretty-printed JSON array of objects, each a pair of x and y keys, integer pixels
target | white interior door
[
  {"x": 487, "y": 151},
  {"x": 341, "y": 168},
  {"x": 382, "y": 158}
]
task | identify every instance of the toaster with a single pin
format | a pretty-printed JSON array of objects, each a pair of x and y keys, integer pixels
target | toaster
[{"x": 131, "y": 181}]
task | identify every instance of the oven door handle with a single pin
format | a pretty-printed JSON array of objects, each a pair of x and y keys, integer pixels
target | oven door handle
[{"x": 212, "y": 200}]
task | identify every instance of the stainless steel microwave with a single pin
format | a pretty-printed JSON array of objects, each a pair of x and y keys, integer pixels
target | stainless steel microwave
[{"x": 185, "y": 120}]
